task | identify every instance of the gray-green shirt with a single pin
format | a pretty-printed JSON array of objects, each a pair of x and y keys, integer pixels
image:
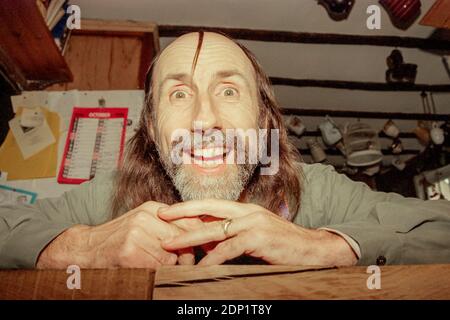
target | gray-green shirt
[{"x": 403, "y": 230}]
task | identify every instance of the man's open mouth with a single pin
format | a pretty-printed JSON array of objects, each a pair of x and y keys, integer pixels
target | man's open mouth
[{"x": 208, "y": 157}]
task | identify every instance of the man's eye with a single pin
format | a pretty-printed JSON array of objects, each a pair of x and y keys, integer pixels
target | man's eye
[
  {"x": 179, "y": 95},
  {"x": 230, "y": 92}
]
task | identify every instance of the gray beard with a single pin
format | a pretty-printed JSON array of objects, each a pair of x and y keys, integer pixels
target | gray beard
[
  {"x": 194, "y": 186},
  {"x": 228, "y": 186}
]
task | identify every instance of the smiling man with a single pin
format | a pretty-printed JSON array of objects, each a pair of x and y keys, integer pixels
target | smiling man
[{"x": 155, "y": 210}]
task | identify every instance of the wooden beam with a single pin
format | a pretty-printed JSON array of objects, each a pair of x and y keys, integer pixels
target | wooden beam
[
  {"x": 359, "y": 85},
  {"x": 116, "y": 27},
  {"x": 365, "y": 114},
  {"x": 307, "y": 37},
  {"x": 335, "y": 152},
  {"x": 381, "y": 134}
]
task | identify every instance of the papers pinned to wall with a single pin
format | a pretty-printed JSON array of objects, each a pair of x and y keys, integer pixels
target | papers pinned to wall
[
  {"x": 34, "y": 154},
  {"x": 31, "y": 132}
]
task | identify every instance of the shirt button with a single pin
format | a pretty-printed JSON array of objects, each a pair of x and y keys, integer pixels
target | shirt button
[{"x": 381, "y": 260}]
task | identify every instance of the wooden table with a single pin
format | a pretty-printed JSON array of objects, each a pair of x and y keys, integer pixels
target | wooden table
[{"x": 230, "y": 282}]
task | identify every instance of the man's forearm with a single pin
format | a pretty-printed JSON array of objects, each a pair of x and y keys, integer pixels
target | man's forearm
[
  {"x": 65, "y": 249},
  {"x": 335, "y": 250}
]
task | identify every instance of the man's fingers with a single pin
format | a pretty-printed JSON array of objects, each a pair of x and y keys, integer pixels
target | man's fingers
[
  {"x": 226, "y": 250},
  {"x": 188, "y": 224},
  {"x": 212, "y": 231},
  {"x": 154, "y": 226},
  {"x": 186, "y": 256},
  {"x": 151, "y": 206},
  {"x": 144, "y": 252},
  {"x": 213, "y": 207}
]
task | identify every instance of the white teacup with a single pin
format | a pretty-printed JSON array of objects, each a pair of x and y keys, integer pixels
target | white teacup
[
  {"x": 391, "y": 129},
  {"x": 330, "y": 133},
  {"x": 437, "y": 134},
  {"x": 295, "y": 125}
]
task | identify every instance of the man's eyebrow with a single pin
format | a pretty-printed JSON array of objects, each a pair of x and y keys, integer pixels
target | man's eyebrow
[
  {"x": 183, "y": 77},
  {"x": 230, "y": 73}
]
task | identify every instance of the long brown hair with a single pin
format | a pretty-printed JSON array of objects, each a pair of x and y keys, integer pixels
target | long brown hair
[{"x": 142, "y": 177}]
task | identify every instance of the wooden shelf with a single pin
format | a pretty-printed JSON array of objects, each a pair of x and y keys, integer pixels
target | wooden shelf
[
  {"x": 110, "y": 55},
  {"x": 29, "y": 56}
]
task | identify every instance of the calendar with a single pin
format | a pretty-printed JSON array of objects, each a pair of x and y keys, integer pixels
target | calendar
[{"x": 95, "y": 143}]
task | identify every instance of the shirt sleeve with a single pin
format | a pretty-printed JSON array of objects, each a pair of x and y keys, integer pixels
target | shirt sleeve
[
  {"x": 352, "y": 243},
  {"x": 386, "y": 226},
  {"x": 25, "y": 230}
]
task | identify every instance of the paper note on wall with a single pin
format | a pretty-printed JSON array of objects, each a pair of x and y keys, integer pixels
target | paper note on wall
[
  {"x": 40, "y": 165},
  {"x": 31, "y": 140}
]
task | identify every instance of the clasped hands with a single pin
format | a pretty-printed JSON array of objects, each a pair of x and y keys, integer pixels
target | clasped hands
[
  {"x": 237, "y": 228},
  {"x": 156, "y": 234}
]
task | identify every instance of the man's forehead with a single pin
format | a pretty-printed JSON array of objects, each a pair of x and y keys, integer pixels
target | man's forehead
[{"x": 216, "y": 52}]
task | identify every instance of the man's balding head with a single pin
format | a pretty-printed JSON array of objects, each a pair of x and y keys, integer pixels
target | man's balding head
[{"x": 209, "y": 79}]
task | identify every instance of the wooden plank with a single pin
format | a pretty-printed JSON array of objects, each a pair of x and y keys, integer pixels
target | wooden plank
[
  {"x": 116, "y": 27},
  {"x": 26, "y": 40},
  {"x": 148, "y": 53},
  {"x": 307, "y": 37},
  {"x": 95, "y": 284},
  {"x": 17, "y": 284},
  {"x": 103, "y": 63},
  {"x": 117, "y": 284},
  {"x": 175, "y": 274},
  {"x": 438, "y": 16},
  {"x": 110, "y": 55},
  {"x": 10, "y": 73},
  {"x": 241, "y": 282},
  {"x": 231, "y": 282}
]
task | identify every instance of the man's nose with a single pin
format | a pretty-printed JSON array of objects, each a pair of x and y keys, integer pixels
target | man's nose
[{"x": 205, "y": 113}]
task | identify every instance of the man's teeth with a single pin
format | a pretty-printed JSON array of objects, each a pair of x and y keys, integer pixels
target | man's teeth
[
  {"x": 208, "y": 153},
  {"x": 209, "y": 157}
]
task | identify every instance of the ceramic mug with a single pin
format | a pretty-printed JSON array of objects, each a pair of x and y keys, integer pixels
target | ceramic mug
[
  {"x": 295, "y": 125},
  {"x": 330, "y": 133},
  {"x": 391, "y": 129},
  {"x": 437, "y": 134},
  {"x": 422, "y": 133},
  {"x": 317, "y": 153}
]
